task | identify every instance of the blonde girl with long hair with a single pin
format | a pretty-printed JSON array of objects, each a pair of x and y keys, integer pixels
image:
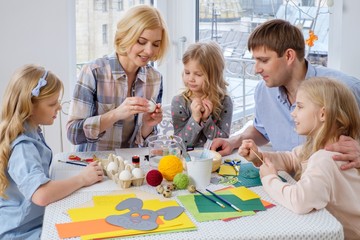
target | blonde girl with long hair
[
  {"x": 204, "y": 109},
  {"x": 31, "y": 99},
  {"x": 325, "y": 110}
]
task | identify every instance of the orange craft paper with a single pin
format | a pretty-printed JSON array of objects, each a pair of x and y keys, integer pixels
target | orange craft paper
[{"x": 76, "y": 229}]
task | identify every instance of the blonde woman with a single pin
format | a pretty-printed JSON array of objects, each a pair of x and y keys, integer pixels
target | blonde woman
[
  {"x": 204, "y": 109},
  {"x": 325, "y": 110},
  {"x": 110, "y": 106},
  {"x": 31, "y": 99}
]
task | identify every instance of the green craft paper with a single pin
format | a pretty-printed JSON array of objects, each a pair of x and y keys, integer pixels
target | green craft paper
[
  {"x": 246, "y": 170},
  {"x": 188, "y": 202},
  {"x": 245, "y": 181},
  {"x": 206, "y": 206}
]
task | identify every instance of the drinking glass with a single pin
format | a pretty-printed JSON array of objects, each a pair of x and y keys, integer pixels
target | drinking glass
[{"x": 163, "y": 145}]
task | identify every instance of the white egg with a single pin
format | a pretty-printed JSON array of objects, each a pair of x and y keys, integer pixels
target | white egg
[
  {"x": 152, "y": 106},
  {"x": 112, "y": 166},
  {"x": 125, "y": 175},
  {"x": 137, "y": 173}
]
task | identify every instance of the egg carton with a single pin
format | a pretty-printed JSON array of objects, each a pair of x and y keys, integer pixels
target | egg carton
[{"x": 119, "y": 165}]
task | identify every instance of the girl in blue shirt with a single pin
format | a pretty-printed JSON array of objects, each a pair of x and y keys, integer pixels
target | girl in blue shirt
[{"x": 31, "y": 99}]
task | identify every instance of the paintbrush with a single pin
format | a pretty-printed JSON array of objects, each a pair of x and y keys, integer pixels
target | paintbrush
[{"x": 257, "y": 156}]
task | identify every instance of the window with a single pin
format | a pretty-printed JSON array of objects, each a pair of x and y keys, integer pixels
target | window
[
  {"x": 118, "y": 5},
  {"x": 131, "y": 3},
  {"x": 100, "y": 5},
  {"x": 96, "y": 26},
  {"x": 230, "y": 22},
  {"x": 105, "y": 33}
]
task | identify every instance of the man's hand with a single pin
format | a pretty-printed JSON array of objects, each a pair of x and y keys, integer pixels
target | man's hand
[
  {"x": 350, "y": 150},
  {"x": 222, "y": 146}
]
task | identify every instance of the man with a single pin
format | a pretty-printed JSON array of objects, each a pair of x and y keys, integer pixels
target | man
[{"x": 279, "y": 52}]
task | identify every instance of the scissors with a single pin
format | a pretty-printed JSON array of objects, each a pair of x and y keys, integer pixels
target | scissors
[
  {"x": 77, "y": 158},
  {"x": 235, "y": 163}
]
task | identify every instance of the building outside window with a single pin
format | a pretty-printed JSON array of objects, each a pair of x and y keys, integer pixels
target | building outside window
[{"x": 118, "y": 5}]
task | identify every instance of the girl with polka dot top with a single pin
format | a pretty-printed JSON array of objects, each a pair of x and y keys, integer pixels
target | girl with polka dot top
[{"x": 204, "y": 109}]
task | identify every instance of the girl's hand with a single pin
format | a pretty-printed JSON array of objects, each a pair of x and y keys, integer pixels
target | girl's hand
[
  {"x": 91, "y": 174},
  {"x": 197, "y": 109},
  {"x": 208, "y": 107},
  {"x": 154, "y": 118},
  {"x": 131, "y": 106},
  {"x": 267, "y": 168},
  {"x": 246, "y": 150}
]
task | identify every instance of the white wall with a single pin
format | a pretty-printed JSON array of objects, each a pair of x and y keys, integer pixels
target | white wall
[
  {"x": 40, "y": 32},
  {"x": 344, "y": 37},
  {"x": 180, "y": 18}
]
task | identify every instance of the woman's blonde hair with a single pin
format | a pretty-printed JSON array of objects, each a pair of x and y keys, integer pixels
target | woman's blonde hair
[
  {"x": 17, "y": 106},
  {"x": 133, "y": 23},
  {"x": 341, "y": 113},
  {"x": 212, "y": 63}
]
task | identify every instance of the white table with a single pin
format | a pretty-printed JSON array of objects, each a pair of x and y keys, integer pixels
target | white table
[{"x": 274, "y": 223}]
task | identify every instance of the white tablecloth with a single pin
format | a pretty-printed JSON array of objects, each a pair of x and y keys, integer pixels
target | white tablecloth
[{"x": 274, "y": 223}]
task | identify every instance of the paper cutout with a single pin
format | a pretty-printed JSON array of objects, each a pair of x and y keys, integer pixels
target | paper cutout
[
  {"x": 188, "y": 202},
  {"x": 244, "y": 193},
  {"x": 89, "y": 222},
  {"x": 312, "y": 38},
  {"x": 265, "y": 203},
  {"x": 227, "y": 170},
  {"x": 249, "y": 205},
  {"x": 244, "y": 176},
  {"x": 250, "y": 173},
  {"x": 141, "y": 219}
]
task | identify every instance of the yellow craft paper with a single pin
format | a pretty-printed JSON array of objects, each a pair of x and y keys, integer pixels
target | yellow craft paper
[
  {"x": 244, "y": 193},
  {"x": 107, "y": 200},
  {"x": 182, "y": 222},
  {"x": 97, "y": 212},
  {"x": 227, "y": 170},
  {"x": 101, "y": 210}
]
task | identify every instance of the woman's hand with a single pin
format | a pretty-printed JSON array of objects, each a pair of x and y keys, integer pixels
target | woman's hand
[
  {"x": 151, "y": 119},
  {"x": 267, "y": 168},
  {"x": 131, "y": 106},
  {"x": 247, "y": 149}
]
